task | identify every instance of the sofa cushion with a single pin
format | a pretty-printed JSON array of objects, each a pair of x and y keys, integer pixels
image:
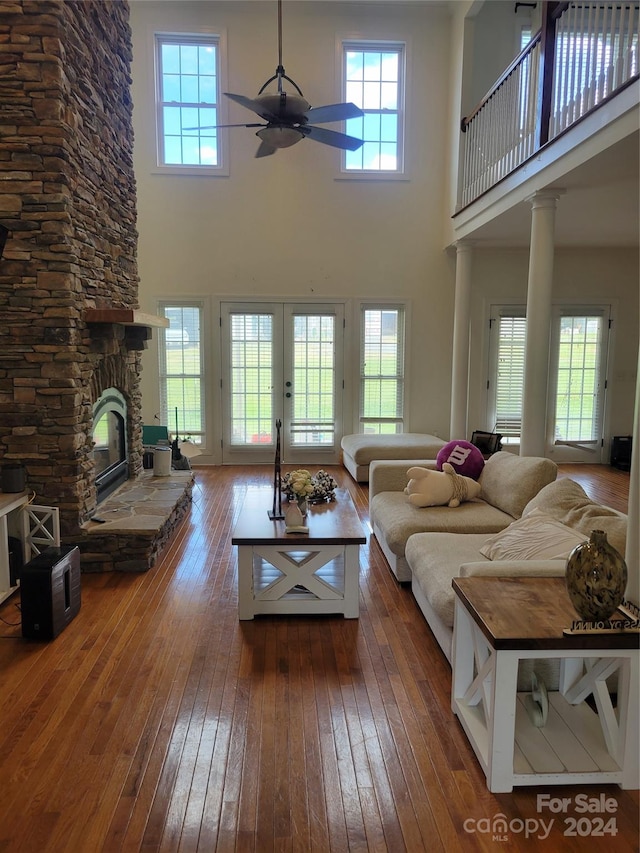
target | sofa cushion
[
  {"x": 566, "y": 501},
  {"x": 435, "y": 559},
  {"x": 509, "y": 482},
  {"x": 535, "y": 536},
  {"x": 557, "y": 498},
  {"x": 393, "y": 514}
]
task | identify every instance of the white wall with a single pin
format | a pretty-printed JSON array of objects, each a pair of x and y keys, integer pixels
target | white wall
[
  {"x": 496, "y": 42},
  {"x": 283, "y": 226}
]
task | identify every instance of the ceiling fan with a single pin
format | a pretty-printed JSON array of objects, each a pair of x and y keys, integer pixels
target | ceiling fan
[{"x": 289, "y": 118}]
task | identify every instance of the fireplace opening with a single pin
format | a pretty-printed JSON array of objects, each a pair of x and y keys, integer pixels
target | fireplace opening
[{"x": 110, "y": 442}]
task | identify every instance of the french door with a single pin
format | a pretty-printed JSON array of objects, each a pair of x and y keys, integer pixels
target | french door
[
  {"x": 579, "y": 350},
  {"x": 282, "y": 362},
  {"x": 577, "y": 378}
]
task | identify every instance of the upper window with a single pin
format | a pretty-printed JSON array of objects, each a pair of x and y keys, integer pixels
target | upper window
[
  {"x": 373, "y": 74},
  {"x": 187, "y": 101}
]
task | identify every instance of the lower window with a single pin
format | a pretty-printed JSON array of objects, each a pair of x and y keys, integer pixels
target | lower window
[
  {"x": 181, "y": 372},
  {"x": 578, "y": 362},
  {"x": 382, "y": 369}
]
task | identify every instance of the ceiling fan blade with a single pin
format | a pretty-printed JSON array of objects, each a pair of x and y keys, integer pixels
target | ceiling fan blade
[
  {"x": 253, "y": 105},
  {"x": 333, "y": 112},
  {"x": 332, "y": 137},
  {"x": 265, "y": 150},
  {"x": 216, "y": 126}
]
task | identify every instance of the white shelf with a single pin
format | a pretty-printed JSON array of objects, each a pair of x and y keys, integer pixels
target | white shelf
[{"x": 571, "y": 743}]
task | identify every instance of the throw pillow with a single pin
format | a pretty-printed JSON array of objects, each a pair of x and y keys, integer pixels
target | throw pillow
[
  {"x": 536, "y": 536},
  {"x": 464, "y": 457},
  {"x": 567, "y": 502}
]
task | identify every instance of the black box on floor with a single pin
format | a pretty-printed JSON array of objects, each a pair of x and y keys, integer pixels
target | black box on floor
[
  {"x": 621, "y": 452},
  {"x": 50, "y": 592}
]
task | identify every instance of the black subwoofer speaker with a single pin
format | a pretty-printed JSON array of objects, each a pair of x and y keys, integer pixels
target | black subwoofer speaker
[
  {"x": 50, "y": 592},
  {"x": 621, "y": 452}
]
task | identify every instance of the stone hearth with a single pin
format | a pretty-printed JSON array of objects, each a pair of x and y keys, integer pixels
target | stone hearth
[{"x": 138, "y": 520}]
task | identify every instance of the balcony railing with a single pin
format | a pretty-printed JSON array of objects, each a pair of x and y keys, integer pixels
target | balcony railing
[{"x": 584, "y": 54}]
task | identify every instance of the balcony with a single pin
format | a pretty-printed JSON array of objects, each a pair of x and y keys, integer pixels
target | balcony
[{"x": 563, "y": 114}]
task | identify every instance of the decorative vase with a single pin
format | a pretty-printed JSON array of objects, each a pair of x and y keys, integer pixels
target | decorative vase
[{"x": 596, "y": 578}]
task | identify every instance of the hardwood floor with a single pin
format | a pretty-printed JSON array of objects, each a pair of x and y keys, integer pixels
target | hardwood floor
[{"x": 158, "y": 722}]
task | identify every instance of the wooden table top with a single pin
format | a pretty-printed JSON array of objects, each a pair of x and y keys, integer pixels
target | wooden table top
[
  {"x": 11, "y": 500},
  {"x": 335, "y": 523},
  {"x": 530, "y": 613}
]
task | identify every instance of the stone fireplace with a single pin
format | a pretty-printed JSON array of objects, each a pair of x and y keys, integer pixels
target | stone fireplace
[{"x": 68, "y": 279}]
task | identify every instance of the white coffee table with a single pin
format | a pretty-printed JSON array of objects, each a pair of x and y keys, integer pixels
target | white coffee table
[{"x": 314, "y": 572}]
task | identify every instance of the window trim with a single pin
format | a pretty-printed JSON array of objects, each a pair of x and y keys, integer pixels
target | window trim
[
  {"x": 345, "y": 42},
  {"x": 219, "y": 38}
]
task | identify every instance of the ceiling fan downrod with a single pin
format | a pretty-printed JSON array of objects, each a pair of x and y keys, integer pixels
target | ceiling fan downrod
[{"x": 280, "y": 75}]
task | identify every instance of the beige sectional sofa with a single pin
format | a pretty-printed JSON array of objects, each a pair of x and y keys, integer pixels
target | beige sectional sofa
[
  {"x": 508, "y": 483},
  {"x": 526, "y": 524}
]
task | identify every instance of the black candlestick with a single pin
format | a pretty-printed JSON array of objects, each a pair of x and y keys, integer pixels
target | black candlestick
[{"x": 276, "y": 511}]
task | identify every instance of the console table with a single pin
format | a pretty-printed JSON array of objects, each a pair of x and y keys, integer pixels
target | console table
[
  {"x": 501, "y": 621},
  {"x": 314, "y": 572}
]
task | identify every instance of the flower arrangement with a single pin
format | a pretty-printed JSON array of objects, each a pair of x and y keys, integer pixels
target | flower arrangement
[
  {"x": 297, "y": 485},
  {"x": 301, "y": 485}
]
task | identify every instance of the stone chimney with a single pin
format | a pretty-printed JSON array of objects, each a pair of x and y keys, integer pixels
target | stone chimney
[{"x": 68, "y": 199}]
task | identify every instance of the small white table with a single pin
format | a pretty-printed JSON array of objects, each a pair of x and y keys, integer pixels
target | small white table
[
  {"x": 314, "y": 572},
  {"x": 500, "y": 621}
]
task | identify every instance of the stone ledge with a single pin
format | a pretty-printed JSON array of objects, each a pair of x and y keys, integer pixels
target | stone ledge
[{"x": 139, "y": 519}]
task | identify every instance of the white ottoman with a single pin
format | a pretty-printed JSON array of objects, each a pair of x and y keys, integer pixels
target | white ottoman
[{"x": 360, "y": 449}]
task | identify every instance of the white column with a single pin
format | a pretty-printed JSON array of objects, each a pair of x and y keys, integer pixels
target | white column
[
  {"x": 461, "y": 325},
  {"x": 539, "y": 290}
]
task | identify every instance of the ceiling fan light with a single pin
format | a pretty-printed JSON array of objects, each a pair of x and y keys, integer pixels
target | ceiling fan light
[{"x": 280, "y": 137}]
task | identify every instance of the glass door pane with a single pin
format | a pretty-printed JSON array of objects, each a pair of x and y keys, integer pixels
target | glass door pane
[
  {"x": 313, "y": 362},
  {"x": 578, "y": 397},
  {"x": 282, "y": 362},
  {"x": 251, "y": 379}
]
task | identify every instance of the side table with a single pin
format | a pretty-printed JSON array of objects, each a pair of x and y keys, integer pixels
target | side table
[{"x": 501, "y": 621}]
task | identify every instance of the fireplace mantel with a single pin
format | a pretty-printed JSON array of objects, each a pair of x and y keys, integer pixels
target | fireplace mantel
[{"x": 124, "y": 317}]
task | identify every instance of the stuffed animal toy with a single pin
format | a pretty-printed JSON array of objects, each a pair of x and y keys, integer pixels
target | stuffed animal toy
[
  {"x": 464, "y": 456},
  {"x": 439, "y": 488}
]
